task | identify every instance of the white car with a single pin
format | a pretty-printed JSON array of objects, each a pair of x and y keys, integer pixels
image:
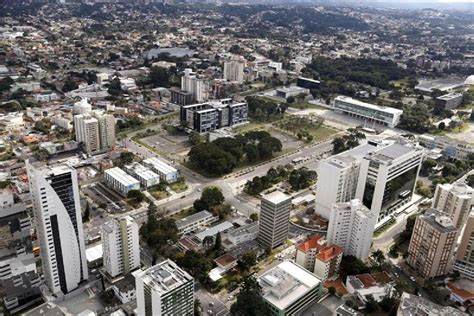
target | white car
[{"x": 412, "y": 278}]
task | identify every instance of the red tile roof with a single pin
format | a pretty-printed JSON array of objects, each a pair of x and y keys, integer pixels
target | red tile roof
[
  {"x": 329, "y": 253},
  {"x": 462, "y": 293},
  {"x": 367, "y": 280},
  {"x": 311, "y": 244}
]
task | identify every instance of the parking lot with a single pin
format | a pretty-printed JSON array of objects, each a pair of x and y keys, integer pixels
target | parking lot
[{"x": 168, "y": 143}]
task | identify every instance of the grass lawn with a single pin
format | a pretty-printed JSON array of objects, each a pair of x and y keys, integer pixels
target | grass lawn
[
  {"x": 306, "y": 126},
  {"x": 184, "y": 213},
  {"x": 306, "y": 105},
  {"x": 179, "y": 186},
  {"x": 159, "y": 195},
  {"x": 253, "y": 126}
]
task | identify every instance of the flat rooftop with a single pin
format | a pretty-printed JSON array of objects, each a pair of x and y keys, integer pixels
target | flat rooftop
[
  {"x": 164, "y": 277},
  {"x": 368, "y": 105},
  {"x": 276, "y": 197},
  {"x": 121, "y": 176},
  {"x": 449, "y": 96},
  {"x": 392, "y": 152},
  {"x": 191, "y": 219},
  {"x": 160, "y": 165},
  {"x": 214, "y": 230},
  {"x": 286, "y": 283}
]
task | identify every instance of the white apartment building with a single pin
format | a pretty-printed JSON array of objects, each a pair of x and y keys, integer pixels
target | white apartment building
[
  {"x": 55, "y": 198},
  {"x": 87, "y": 132},
  {"x": 234, "y": 70},
  {"x": 274, "y": 219},
  {"x": 195, "y": 221},
  {"x": 164, "y": 289},
  {"x": 120, "y": 181},
  {"x": 82, "y": 107},
  {"x": 120, "y": 242},
  {"x": 194, "y": 85},
  {"x": 351, "y": 226},
  {"x": 388, "y": 177},
  {"x": 146, "y": 177},
  {"x": 165, "y": 171},
  {"x": 455, "y": 200},
  {"x": 106, "y": 129}
]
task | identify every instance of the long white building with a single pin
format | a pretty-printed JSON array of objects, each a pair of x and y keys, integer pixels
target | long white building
[
  {"x": 351, "y": 226},
  {"x": 165, "y": 171},
  {"x": 120, "y": 181},
  {"x": 370, "y": 113},
  {"x": 455, "y": 200},
  {"x": 55, "y": 197},
  {"x": 120, "y": 243},
  {"x": 146, "y": 177},
  {"x": 164, "y": 289}
]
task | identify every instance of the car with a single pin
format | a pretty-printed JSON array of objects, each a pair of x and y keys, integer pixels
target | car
[
  {"x": 211, "y": 303},
  {"x": 412, "y": 278},
  {"x": 209, "y": 312}
]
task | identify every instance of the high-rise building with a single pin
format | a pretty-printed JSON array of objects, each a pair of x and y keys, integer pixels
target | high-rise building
[
  {"x": 87, "y": 132},
  {"x": 55, "y": 198},
  {"x": 288, "y": 289},
  {"x": 432, "y": 245},
  {"x": 388, "y": 177},
  {"x": 164, "y": 289},
  {"x": 120, "y": 243},
  {"x": 351, "y": 226},
  {"x": 96, "y": 130},
  {"x": 234, "y": 70},
  {"x": 194, "y": 85},
  {"x": 455, "y": 200},
  {"x": 465, "y": 253},
  {"x": 274, "y": 219},
  {"x": 82, "y": 107}
]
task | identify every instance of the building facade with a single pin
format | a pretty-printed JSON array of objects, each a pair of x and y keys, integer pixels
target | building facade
[
  {"x": 164, "y": 289},
  {"x": 121, "y": 249},
  {"x": 197, "y": 87},
  {"x": 55, "y": 198},
  {"x": 234, "y": 70},
  {"x": 120, "y": 181},
  {"x": 465, "y": 254},
  {"x": 274, "y": 219},
  {"x": 165, "y": 171},
  {"x": 448, "y": 101},
  {"x": 351, "y": 226},
  {"x": 87, "y": 132},
  {"x": 455, "y": 200},
  {"x": 432, "y": 245}
]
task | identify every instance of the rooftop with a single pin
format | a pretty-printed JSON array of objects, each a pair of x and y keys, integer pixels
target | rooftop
[
  {"x": 214, "y": 230},
  {"x": 160, "y": 165},
  {"x": 164, "y": 277},
  {"x": 450, "y": 96},
  {"x": 121, "y": 176},
  {"x": 439, "y": 221},
  {"x": 276, "y": 197},
  {"x": 191, "y": 219},
  {"x": 330, "y": 252},
  {"x": 392, "y": 152},
  {"x": 414, "y": 305},
  {"x": 247, "y": 229},
  {"x": 315, "y": 241},
  {"x": 369, "y": 106},
  {"x": 286, "y": 283}
]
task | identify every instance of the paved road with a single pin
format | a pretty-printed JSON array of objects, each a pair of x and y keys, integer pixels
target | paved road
[{"x": 209, "y": 303}]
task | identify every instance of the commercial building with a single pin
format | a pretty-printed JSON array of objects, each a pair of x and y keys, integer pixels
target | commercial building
[
  {"x": 55, "y": 198},
  {"x": 351, "y": 226},
  {"x": 195, "y": 221},
  {"x": 390, "y": 175},
  {"x": 121, "y": 249},
  {"x": 465, "y": 253},
  {"x": 120, "y": 181},
  {"x": 288, "y": 289},
  {"x": 432, "y": 245},
  {"x": 234, "y": 70},
  {"x": 197, "y": 87},
  {"x": 205, "y": 117},
  {"x": 244, "y": 233},
  {"x": 181, "y": 97},
  {"x": 377, "y": 285},
  {"x": 370, "y": 113},
  {"x": 21, "y": 290},
  {"x": 448, "y": 101},
  {"x": 82, "y": 107},
  {"x": 166, "y": 172},
  {"x": 316, "y": 256},
  {"x": 274, "y": 219},
  {"x": 449, "y": 147},
  {"x": 455, "y": 200},
  {"x": 292, "y": 91},
  {"x": 307, "y": 83},
  {"x": 164, "y": 289},
  {"x": 146, "y": 177},
  {"x": 411, "y": 304}
]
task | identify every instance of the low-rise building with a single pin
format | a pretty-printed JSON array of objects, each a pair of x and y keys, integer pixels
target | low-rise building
[
  {"x": 165, "y": 171},
  {"x": 416, "y": 305},
  {"x": 21, "y": 290},
  {"x": 213, "y": 231},
  {"x": 292, "y": 91},
  {"x": 242, "y": 234},
  {"x": 449, "y": 147},
  {"x": 195, "y": 221},
  {"x": 124, "y": 289},
  {"x": 120, "y": 181},
  {"x": 377, "y": 286},
  {"x": 146, "y": 177},
  {"x": 288, "y": 289},
  {"x": 448, "y": 101}
]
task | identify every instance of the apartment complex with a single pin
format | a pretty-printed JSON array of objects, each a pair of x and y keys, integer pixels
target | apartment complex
[
  {"x": 194, "y": 85},
  {"x": 120, "y": 181},
  {"x": 165, "y": 171},
  {"x": 432, "y": 245},
  {"x": 234, "y": 70},
  {"x": 351, "y": 226},
  {"x": 465, "y": 253},
  {"x": 370, "y": 113},
  {"x": 164, "y": 289},
  {"x": 274, "y": 219},
  {"x": 288, "y": 289},
  {"x": 388, "y": 177},
  {"x": 146, "y": 177},
  {"x": 120, "y": 243},
  {"x": 455, "y": 200},
  {"x": 55, "y": 198},
  {"x": 96, "y": 130},
  {"x": 209, "y": 116}
]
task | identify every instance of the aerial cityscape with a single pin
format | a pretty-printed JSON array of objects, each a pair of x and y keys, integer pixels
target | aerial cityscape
[{"x": 236, "y": 157}]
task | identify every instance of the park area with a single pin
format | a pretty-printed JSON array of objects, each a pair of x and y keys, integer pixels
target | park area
[{"x": 309, "y": 128}]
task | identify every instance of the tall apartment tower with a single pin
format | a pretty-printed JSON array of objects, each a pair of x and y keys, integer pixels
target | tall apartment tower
[
  {"x": 454, "y": 199},
  {"x": 120, "y": 242},
  {"x": 465, "y": 253},
  {"x": 55, "y": 198},
  {"x": 339, "y": 176},
  {"x": 194, "y": 85},
  {"x": 432, "y": 245},
  {"x": 351, "y": 226},
  {"x": 388, "y": 177},
  {"x": 164, "y": 289},
  {"x": 234, "y": 70},
  {"x": 106, "y": 124},
  {"x": 87, "y": 132},
  {"x": 274, "y": 219}
]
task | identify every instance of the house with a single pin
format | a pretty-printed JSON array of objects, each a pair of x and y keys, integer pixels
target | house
[{"x": 377, "y": 285}]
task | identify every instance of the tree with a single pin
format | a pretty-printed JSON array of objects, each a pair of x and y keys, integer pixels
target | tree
[
  {"x": 218, "y": 242},
  {"x": 86, "y": 216},
  {"x": 470, "y": 180},
  {"x": 197, "y": 307},
  {"x": 247, "y": 260},
  {"x": 126, "y": 157},
  {"x": 350, "y": 265},
  {"x": 442, "y": 126},
  {"x": 195, "y": 138},
  {"x": 69, "y": 85},
  {"x": 207, "y": 242},
  {"x": 249, "y": 302},
  {"x": 136, "y": 196},
  {"x": 332, "y": 290},
  {"x": 254, "y": 217},
  {"x": 338, "y": 145},
  {"x": 371, "y": 305},
  {"x": 290, "y": 99},
  {"x": 378, "y": 256},
  {"x": 212, "y": 196}
]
